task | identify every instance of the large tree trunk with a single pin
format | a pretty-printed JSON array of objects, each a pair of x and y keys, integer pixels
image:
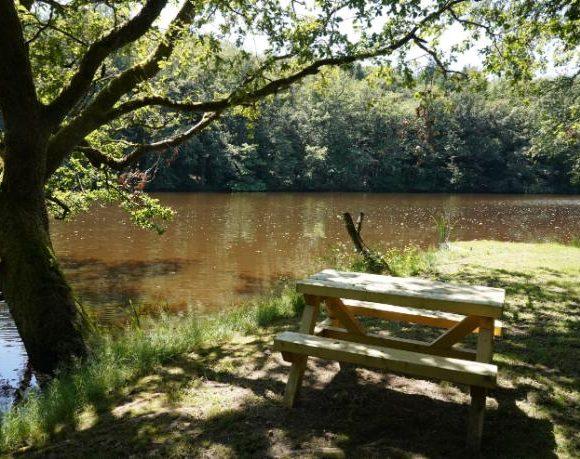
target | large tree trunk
[{"x": 38, "y": 296}]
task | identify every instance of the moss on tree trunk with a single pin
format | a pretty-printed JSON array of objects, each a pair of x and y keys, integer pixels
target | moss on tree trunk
[{"x": 39, "y": 297}]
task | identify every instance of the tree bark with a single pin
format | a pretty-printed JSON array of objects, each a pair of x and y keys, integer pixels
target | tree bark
[
  {"x": 354, "y": 233},
  {"x": 374, "y": 261},
  {"x": 38, "y": 296}
]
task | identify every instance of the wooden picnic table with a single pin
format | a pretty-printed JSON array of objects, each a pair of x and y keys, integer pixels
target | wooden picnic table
[{"x": 347, "y": 296}]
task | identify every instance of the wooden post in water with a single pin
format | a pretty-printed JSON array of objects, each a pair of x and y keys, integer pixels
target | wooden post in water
[{"x": 375, "y": 262}]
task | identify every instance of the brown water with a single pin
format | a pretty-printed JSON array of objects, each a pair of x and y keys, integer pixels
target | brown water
[{"x": 225, "y": 247}]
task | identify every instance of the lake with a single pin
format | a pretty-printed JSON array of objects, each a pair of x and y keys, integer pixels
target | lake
[{"x": 223, "y": 248}]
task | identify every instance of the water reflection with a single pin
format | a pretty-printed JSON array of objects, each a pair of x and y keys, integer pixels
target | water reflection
[
  {"x": 225, "y": 246},
  {"x": 12, "y": 358}
]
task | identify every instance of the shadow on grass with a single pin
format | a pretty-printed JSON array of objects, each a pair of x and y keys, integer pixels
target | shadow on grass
[{"x": 216, "y": 404}]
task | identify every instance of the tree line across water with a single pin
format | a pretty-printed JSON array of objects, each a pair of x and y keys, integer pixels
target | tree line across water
[{"x": 361, "y": 130}]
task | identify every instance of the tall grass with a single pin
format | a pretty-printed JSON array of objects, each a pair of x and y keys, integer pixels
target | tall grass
[
  {"x": 117, "y": 360},
  {"x": 575, "y": 242},
  {"x": 443, "y": 226},
  {"x": 408, "y": 261}
]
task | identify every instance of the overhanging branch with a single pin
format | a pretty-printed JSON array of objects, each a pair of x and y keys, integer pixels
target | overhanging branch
[
  {"x": 436, "y": 58},
  {"x": 241, "y": 97},
  {"x": 97, "y": 158},
  {"x": 95, "y": 114},
  {"x": 101, "y": 110}
]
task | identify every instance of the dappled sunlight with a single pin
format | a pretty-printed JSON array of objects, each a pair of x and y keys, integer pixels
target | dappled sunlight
[
  {"x": 538, "y": 351},
  {"x": 235, "y": 409}
]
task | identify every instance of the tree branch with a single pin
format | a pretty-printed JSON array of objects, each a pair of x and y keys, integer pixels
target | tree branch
[
  {"x": 240, "y": 97},
  {"x": 17, "y": 91},
  {"x": 438, "y": 61},
  {"x": 95, "y": 114},
  {"x": 471, "y": 23},
  {"x": 63, "y": 206},
  {"x": 98, "y": 158},
  {"x": 101, "y": 110},
  {"x": 97, "y": 53}
]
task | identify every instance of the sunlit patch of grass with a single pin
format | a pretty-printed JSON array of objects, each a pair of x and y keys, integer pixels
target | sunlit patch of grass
[
  {"x": 117, "y": 359},
  {"x": 538, "y": 354},
  {"x": 409, "y": 261}
]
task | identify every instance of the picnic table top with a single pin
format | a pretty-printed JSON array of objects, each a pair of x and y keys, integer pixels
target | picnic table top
[{"x": 406, "y": 291}]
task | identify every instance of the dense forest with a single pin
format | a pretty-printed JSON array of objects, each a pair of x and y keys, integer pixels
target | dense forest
[{"x": 363, "y": 130}]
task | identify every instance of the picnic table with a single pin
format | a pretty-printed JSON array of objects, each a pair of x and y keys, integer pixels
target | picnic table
[{"x": 346, "y": 296}]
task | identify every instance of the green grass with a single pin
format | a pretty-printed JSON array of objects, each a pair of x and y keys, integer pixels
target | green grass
[
  {"x": 443, "y": 227},
  {"x": 118, "y": 359},
  {"x": 539, "y": 355},
  {"x": 408, "y": 261}
]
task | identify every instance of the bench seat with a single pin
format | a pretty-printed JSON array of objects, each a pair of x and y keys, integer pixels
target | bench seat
[
  {"x": 399, "y": 361},
  {"x": 438, "y": 319}
]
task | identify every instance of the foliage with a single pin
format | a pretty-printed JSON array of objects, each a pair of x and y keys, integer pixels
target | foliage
[
  {"x": 409, "y": 261},
  {"x": 444, "y": 226},
  {"x": 118, "y": 86},
  {"x": 352, "y": 130}
]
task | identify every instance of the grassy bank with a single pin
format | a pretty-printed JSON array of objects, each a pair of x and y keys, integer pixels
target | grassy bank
[
  {"x": 211, "y": 387},
  {"x": 119, "y": 359}
]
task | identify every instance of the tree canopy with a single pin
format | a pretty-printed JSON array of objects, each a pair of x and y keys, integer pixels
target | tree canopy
[
  {"x": 111, "y": 72},
  {"x": 361, "y": 129}
]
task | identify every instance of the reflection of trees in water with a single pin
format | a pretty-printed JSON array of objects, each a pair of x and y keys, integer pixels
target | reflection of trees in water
[{"x": 110, "y": 286}]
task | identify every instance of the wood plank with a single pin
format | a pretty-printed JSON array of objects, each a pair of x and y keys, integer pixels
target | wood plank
[
  {"x": 437, "y": 319},
  {"x": 457, "y": 333},
  {"x": 332, "y": 318},
  {"x": 485, "y": 341},
  {"x": 396, "y": 360},
  {"x": 344, "y": 316},
  {"x": 307, "y": 325},
  {"x": 310, "y": 314},
  {"x": 377, "y": 339},
  {"x": 328, "y": 322},
  {"x": 479, "y": 394},
  {"x": 400, "y": 291},
  {"x": 294, "y": 383},
  {"x": 476, "y": 417}
]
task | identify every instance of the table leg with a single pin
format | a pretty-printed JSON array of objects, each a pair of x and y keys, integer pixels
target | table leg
[
  {"x": 478, "y": 394},
  {"x": 307, "y": 325}
]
